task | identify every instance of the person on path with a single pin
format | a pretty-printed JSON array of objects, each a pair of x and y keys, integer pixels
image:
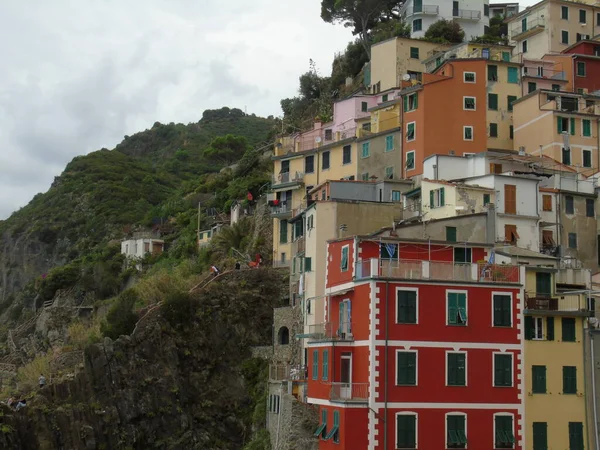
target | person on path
[
  {"x": 42, "y": 380},
  {"x": 21, "y": 404},
  {"x": 215, "y": 270}
]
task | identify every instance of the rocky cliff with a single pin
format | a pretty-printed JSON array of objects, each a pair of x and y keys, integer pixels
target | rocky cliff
[{"x": 182, "y": 380}]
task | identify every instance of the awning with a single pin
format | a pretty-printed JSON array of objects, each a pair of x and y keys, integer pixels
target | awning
[{"x": 414, "y": 193}]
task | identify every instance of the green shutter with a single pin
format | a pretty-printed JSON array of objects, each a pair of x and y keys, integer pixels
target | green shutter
[
  {"x": 493, "y": 101},
  {"x": 504, "y": 431},
  {"x": 325, "y": 365},
  {"x": 502, "y": 310},
  {"x": 452, "y": 308},
  {"x": 431, "y": 199},
  {"x": 406, "y": 368},
  {"x": 456, "y": 369},
  {"x": 406, "y": 431},
  {"x": 587, "y": 128},
  {"x": 283, "y": 232},
  {"x": 572, "y": 121},
  {"x": 407, "y": 307},
  {"x": 569, "y": 380},
  {"x": 442, "y": 197},
  {"x": 315, "y": 367},
  {"x": 451, "y": 234},
  {"x": 540, "y": 436},
  {"x": 455, "y": 425},
  {"x": 416, "y": 100},
  {"x": 538, "y": 379},
  {"x": 406, "y": 103},
  {"x": 510, "y": 100},
  {"x": 559, "y": 129},
  {"x": 503, "y": 370},
  {"x": 568, "y": 329},
  {"x": 529, "y": 328},
  {"x": 513, "y": 75},
  {"x": 550, "y": 328},
  {"x": 344, "y": 262},
  {"x": 576, "y": 436}
]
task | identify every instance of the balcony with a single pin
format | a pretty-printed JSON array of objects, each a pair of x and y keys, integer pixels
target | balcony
[
  {"x": 349, "y": 392},
  {"x": 524, "y": 29},
  {"x": 576, "y": 277},
  {"x": 282, "y": 210},
  {"x": 466, "y": 14},
  {"x": 287, "y": 180},
  {"x": 555, "y": 304},
  {"x": 286, "y": 372},
  {"x": 329, "y": 331},
  {"x": 544, "y": 73},
  {"x": 426, "y": 10},
  {"x": 437, "y": 270},
  {"x": 281, "y": 264}
]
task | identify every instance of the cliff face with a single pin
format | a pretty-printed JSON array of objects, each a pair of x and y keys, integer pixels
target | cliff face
[{"x": 182, "y": 380}]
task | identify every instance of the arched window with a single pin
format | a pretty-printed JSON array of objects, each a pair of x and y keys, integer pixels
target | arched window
[{"x": 283, "y": 337}]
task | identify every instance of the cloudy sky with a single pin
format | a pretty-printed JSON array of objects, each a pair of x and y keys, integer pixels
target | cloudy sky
[{"x": 79, "y": 75}]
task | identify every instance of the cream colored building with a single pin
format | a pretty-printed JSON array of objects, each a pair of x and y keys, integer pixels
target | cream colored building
[
  {"x": 551, "y": 26},
  {"x": 396, "y": 57}
]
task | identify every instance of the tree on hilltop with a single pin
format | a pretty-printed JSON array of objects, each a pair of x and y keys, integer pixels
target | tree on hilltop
[{"x": 445, "y": 31}]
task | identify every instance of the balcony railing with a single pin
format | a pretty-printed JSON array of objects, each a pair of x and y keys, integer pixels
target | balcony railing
[
  {"x": 282, "y": 208},
  {"x": 467, "y": 14},
  {"x": 430, "y": 10},
  {"x": 536, "y": 301},
  {"x": 328, "y": 331},
  {"x": 349, "y": 392},
  {"x": 580, "y": 277},
  {"x": 520, "y": 30},
  {"x": 288, "y": 177},
  {"x": 544, "y": 73},
  {"x": 279, "y": 263},
  {"x": 437, "y": 270},
  {"x": 286, "y": 372}
]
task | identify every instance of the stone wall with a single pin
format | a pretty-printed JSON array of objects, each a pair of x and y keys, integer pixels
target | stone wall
[{"x": 287, "y": 322}]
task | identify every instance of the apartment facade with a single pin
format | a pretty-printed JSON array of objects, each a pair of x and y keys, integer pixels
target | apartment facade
[
  {"x": 504, "y": 9},
  {"x": 585, "y": 65},
  {"x": 472, "y": 15},
  {"x": 551, "y": 26},
  {"x": 395, "y": 315}
]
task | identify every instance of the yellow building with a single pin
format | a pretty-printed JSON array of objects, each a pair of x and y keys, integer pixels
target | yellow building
[
  {"x": 544, "y": 120},
  {"x": 551, "y": 26},
  {"x": 391, "y": 60},
  {"x": 553, "y": 363}
]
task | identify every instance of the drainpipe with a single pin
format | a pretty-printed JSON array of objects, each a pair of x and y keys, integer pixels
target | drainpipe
[
  {"x": 587, "y": 434},
  {"x": 385, "y": 373},
  {"x": 594, "y": 390}
]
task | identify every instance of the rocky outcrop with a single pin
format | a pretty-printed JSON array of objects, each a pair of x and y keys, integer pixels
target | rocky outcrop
[{"x": 179, "y": 382}]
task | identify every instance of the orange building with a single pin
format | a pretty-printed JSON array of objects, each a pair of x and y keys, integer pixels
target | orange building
[{"x": 464, "y": 107}]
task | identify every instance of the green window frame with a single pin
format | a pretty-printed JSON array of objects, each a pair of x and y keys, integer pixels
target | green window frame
[
  {"x": 344, "y": 259},
  {"x": 451, "y": 234},
  {"x": 335, "y": 429},
  {"x": 513, "y": 75},
  {"x": 564, "y": 12},
  {"x": 417, "y": 25},
  {"x": 538, "y": 379},
  {"x": 486, "y": 199},
  {"x": 410, "y": 160},
  {"x": 505, "y": 437},
  {"x": 568, "y": 329},
  {"x": 492, "y": 73},
  {"x": 457, "y": 308},
  {"x": 572, "y": 124},
  {"x": 364, "y": 106},
  {"x": 564, "y": 37},
  {"x": 389, "y": 173},
  {"x": 384, "y": 98},
  {"x": 411, "y": 133},
  {"x": 406, "y": 307},
  {"x": 580, "y": 69},
  {"x": 315, "y": 367},
  {"x": 510, "y": 99},
  {"x": 549, "y": 328},
  {"x": 347, "y": 154},
  {"x": 569, "y": 380},
  {"x": 406, "y": 368},
  {"x": 457, "y": 369},
  {"x": 414, "y": 52},
  {"x": 493, "y": 102},
  {"x": 502, "y": 310},
  {"x": 576, "y": 436},
  {"x": 493, "y": 129},
  {"x": 325, "y": 365},
  {"x": 308, "y": 264},
  {"x": 322, "y": 429},
  {"x": 455, "y": 431},
  {"x": 406, "y": 431},
  {"x": 587, "y": 128},
  {"x": 540, "y": 436},
  {"x": 503, "y": 369},
  {"x": 506, "y": 56},
  {"x": 389, "y": 143},
  {"x": 366, "y": 149},
  {"x": 283, "y": 231},
  {"x": 411, "y": 102},
  {"x": 468, "y": 133},
  {"x": 587, "y": 158}
]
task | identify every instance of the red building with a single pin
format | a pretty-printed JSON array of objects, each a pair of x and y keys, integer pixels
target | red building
[
  {"x": 420, "y": 348},
  {"x": 586, "y": 65}
]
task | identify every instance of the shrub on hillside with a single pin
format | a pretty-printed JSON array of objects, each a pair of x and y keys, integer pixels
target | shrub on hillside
[{"x": 121, "y": 319}]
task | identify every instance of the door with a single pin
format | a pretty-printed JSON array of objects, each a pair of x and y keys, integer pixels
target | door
[{"x": 346, "y": 377}]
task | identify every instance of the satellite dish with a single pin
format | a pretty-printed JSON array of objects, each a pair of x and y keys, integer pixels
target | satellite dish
[
  {"x": 406, "y": 77},
  {"x": 318, "y": 139}
]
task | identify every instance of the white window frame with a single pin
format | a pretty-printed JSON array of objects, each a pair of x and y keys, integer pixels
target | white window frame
[
  {"x": 472, "y": 133},
  {"x": 436, "y": 199},
  {"x": 512, "y": 372},
  {"x": 512, "y": 314},
  {"x": 468, "y": 154},
  {"x": 454, "y": 413},
  {"x": 586, "y": 150},
  {"x": 465, "y": 101},
  {"x": 466, "y": 369},
  {"x": 416, "y": 367},
  {"x": 414, "y": 161},
  {"x": 465, "y": 77},
  {"x": 494, "y": 425},
  {"x": 406, "y": 413},
  {"x": 541, "y": 328},
  {"x": 416, "y": 306},
  {"x": 409, "y": 97},
  {"x": 342, "y": 255},
  {"x": 415, "y": 134},
  {"x": 458, "y": 291}
]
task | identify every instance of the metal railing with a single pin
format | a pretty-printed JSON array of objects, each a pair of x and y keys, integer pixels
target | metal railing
[
  {"x": 545, "y": 73},
  {"x": 467, "y": 14},
  {"x": 432, "y": 10},
  {"x": 285, "y": 372},
  {"x": 288, "y": 177},
  {"x": 531, "y": 25},
  {"x": 282, "y": 208},
  {"x": 349, "y": 392},
  {"x": 332, "y": 330},
  {"x": 437, "y": 270},
  {"x": 554, "y": 302},
  {"x": 573, "y": 276}
]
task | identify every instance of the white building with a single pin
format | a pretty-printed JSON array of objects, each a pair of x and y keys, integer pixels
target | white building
[
  {"x": 138, "y": 248},
  {"x": 472, "y": 15}
]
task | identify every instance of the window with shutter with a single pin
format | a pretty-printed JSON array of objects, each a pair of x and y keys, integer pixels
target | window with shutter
[
  {"x": 576, "y": 436},
  {"x": 456, "y": 431},
  {"x": 344, "y": 262},
  {"x": 406, "y": 368},
  {"x": 503, "y": 426},
  {"x": 492, "y": 73},
  {"x": 550, "y": 328},
  {"x": 457, "y": 308},
  {"x": 510, "y": 199},
  {"x": 529, "y": 328},
  {"x": 325, "y": 365},
  {"x": 587, "y": 158},
  {"x": 451, "y": 234},
  {"x": 540, "y": 436},
  {"x": 315, "y": 367},
  {"x": 569, "y": 380},
  {"x": 538, "y": 379},
  {"x": 406, "y": 311},
  {"x": 503, "y": 370},
  {"x": 493, "y": 129},
  {"x": 568, "y": 329},
  {"x": 569, "y": 205},
  {"x": 547, "y": 202},
  {"x": 406, "y": 431},
  {"x": 502, "y": 311},
  {"x": 456, "y": 368},
  {"x": 510, "y": 233}
]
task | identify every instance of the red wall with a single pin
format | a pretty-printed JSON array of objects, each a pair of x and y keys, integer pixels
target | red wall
[
  {"x": 431, "y": 426},
  {"x": 359, "y": 300},
  {"x": 591, "y": 81},
  {"x": 334, "y": 260},
  {"x": 432, "y": 315},
  {"x": 354, "y": 433}
]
